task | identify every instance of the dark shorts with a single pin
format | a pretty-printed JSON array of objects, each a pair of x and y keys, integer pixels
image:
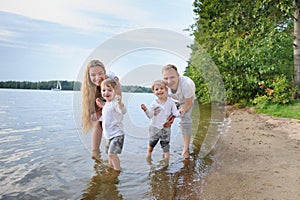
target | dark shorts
[
  {"x": 162, "y": 135},
  {"x": 114, "y": 145}
]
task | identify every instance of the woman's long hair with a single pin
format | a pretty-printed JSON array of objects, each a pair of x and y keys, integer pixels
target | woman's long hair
[{"x": 88, "y": 90}]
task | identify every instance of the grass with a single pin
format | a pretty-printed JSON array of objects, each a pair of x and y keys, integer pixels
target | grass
[{"x": 285, "y": 111}]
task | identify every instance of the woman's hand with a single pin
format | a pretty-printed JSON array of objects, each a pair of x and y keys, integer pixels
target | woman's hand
[
  {"x": 99, "y": 103},
  {"x": 95, "y": 116}
]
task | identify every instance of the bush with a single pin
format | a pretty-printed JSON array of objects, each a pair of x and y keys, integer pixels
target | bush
[
  {"x": 278, "y": 91},
  {"x": 261, "y": 101},
  {"x": 283, "y": 92}
]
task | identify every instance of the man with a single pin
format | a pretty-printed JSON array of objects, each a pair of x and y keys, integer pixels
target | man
[{"x": 182, "y": 90}]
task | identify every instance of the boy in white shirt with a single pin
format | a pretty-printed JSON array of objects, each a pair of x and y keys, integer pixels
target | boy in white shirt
[
  {"x": 161, "y": 112},
  {"x": 112, "y": 116}
]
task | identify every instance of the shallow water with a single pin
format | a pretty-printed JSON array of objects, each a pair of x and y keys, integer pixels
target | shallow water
[{"x": 44, "y": 155}]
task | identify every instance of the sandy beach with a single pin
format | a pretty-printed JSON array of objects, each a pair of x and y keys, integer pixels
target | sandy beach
[{"x": 257, "y": 158}]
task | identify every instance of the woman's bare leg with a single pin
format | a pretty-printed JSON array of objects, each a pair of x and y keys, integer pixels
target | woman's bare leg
[
  {"x": 96, "y": 136},
  {"x": 96, "y": 140}
]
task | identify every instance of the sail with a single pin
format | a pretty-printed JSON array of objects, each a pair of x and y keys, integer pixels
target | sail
[{"x": 58, "y": 87}]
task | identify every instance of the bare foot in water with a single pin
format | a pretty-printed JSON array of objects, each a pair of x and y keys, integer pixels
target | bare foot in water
[
  {"x": 96, "y": 155},
  {"x": 185, "y": 154},
  {"x": 148, "y": 158}
]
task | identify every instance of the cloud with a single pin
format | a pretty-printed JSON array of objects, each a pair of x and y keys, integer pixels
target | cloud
[
  {"x": 7, "y": 36},
  {"x": 89, "y": 15},
  {"x": 65, "y": 32},
  {"x": 110, "y": 16},
  {"x": 10, "y": 39}
]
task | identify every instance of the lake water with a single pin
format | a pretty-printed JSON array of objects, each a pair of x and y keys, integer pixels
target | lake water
[{"x": 44, "y": 154}]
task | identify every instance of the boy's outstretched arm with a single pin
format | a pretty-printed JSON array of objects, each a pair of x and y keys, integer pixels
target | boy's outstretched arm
[{"x": 145, "y": 109}]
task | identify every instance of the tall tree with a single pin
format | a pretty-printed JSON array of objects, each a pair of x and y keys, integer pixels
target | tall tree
[{"x": 297, "y": 44}]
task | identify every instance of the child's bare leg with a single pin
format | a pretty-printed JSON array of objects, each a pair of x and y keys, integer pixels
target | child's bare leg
[
  {"x": 149, "y": 154},
  {"x": 110, "y": 162},
  {"x": 167, "y": 156},
  {"x": 114, "y": 161}
]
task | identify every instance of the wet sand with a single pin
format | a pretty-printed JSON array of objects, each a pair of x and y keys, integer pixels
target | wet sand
[{"x": 258, "y": 157}]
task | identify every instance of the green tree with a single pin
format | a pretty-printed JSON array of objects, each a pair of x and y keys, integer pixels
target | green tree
[{"x": 250, "y": 41}]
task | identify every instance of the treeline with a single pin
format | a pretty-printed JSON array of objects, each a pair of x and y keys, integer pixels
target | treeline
[
  {"x": 135, "y": 89},
  {"x": 41, "y": 85},
  {"x": 66, "y": 85}
]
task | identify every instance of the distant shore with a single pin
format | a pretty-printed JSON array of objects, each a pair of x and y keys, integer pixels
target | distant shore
[
  {"x": 257, "y": 158},
  {"x": 65, "y": 85}
]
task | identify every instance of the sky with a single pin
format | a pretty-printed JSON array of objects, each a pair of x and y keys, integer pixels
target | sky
[{"x": 54, "y": 40}]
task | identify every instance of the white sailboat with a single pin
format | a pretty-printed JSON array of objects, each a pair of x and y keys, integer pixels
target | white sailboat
[{"x": 58, "y": 87}]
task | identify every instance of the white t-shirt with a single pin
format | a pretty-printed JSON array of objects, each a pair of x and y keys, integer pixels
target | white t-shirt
[
  {"x": 112, "y": 117},
  {"x": 166, "y": 109},
  {"x": 186, "y": 89}
]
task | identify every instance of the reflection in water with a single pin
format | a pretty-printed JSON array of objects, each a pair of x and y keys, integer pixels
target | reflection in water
[
  {"x": 212, "y": 124},
  {"x": 203, "y": 113},
  {"x": 103, "y": 185},
  {"x": 182, "y": 178}
]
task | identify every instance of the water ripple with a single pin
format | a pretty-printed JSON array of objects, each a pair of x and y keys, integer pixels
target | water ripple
[{"x": 9, "y": 130}]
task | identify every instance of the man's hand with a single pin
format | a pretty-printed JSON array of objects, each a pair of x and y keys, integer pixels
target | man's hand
[{"x": 181, "y": 111}]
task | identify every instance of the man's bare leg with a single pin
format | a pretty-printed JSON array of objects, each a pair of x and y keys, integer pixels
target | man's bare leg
[{"x": 186, "y": 143}]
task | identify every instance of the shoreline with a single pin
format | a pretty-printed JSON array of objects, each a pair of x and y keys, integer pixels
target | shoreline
[{"x": 258, "y": 157}]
